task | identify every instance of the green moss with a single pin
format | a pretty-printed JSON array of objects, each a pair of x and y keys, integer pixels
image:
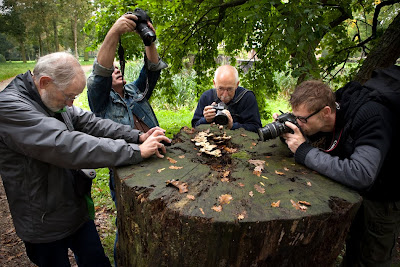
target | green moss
[{"x": 241, "y": 155}]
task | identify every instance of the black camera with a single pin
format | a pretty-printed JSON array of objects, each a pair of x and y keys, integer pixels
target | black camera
[
  {"x": 278, "y": 127},
  {"x": 147, "y": 34},
  {"x": 220, "y": 118}
]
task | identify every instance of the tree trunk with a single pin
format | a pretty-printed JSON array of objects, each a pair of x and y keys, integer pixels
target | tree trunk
[
  {"x": 75, "y": 31},
  {"x": 56, "y": 42},
  {"x": 233, "y": 213},
  {"x": 384, "y": 54},
  {"x": 23, "y": 52}
]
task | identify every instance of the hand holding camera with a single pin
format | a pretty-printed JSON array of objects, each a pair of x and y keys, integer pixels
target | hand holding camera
[
  {"x": 218, "y": 113},
  {"x": 145, "y": 31}
]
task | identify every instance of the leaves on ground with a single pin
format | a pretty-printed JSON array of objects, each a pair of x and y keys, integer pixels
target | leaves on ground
[{"x": 182, "y": 186}]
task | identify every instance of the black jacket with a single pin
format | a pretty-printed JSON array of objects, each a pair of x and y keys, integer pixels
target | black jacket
[{"x": 366, "y": 155}]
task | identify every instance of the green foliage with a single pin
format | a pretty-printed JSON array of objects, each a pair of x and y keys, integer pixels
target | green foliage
[
  {"x": 2, "y": 59},
  {"x": 304, "y": 39}
]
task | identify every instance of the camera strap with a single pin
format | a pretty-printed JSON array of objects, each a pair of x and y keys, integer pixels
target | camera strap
[
  {"x": 335, "y": 140},
  {"x": 121, "y": 56}
]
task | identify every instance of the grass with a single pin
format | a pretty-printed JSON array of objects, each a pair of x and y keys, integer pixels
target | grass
[{"x": 12, "y": 68}]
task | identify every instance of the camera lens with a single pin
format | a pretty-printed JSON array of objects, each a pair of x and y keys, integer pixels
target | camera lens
[
  {"x": 270, "y": 131},
  {"x": 147, "y": 35},
  {"x": 221, "y": 118}
]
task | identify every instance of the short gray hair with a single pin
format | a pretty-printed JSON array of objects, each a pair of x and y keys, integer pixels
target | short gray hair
[{"x": 63, "y": 68}]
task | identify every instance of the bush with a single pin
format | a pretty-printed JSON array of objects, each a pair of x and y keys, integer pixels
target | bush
[{"x": 2, "y": 59}]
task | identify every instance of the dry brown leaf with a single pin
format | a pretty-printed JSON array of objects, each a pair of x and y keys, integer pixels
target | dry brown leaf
[
  {"x": 244, "y": 135},
  {"x": 160, "y": 170},
  {"x": 279, "y": 173},
  {"x": 201, "y": 210},
  {"x": 309, "y": 183},
  {"x": 241, "y": 184},
  {"x": 298, "y": 206},
  {"x": 259, "y": 188},
  {"x": 171, "y": 160},
  {"x": 286, "y": 169},
  {"x": 182, "y": 186},
  {"x": 254, "y": 144},
  {"x": 229, "y": 149},
  {"x": 304, "y": 202},
  {"x": 251, "y": 193},
  {"x": 225, "y": 199},
  {"x": 191, "y": 197},
  {"x": 173, "y": 167},
  {"x": 181, "y": 156},
  {"x": 225, "y": 180},
  {"x": 276, "y": 204},
  {"x": 242, "y": 215},
  {"x": 217, "y": 208},
  {"x": 226, "y": 174},
  {"x": 259, "y": 166}
]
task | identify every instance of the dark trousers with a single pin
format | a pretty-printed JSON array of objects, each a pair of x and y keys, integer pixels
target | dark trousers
[
  {"x": 85, "y": 243},
  {"x": 373, "y": 234}
]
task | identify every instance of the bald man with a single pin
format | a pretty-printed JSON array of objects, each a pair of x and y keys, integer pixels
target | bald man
[{"x": 241, "y": 105}]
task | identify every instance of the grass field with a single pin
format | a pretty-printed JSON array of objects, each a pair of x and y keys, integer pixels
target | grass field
[{"x": 10, "y": 69}]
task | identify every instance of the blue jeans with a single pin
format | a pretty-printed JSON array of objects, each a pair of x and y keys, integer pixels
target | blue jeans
[{"x": 85, "y": 243}]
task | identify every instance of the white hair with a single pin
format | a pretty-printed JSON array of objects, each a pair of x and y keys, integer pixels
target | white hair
[{"x": 63, "y": 68}]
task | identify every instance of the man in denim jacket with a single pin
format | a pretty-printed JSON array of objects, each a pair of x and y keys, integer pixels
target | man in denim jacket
[{"x": 108, "y": 94}]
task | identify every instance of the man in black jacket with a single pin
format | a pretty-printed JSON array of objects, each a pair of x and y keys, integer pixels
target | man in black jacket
[
  {"x": 359, "y": 149},
  {"x": 242, "y": 109}
]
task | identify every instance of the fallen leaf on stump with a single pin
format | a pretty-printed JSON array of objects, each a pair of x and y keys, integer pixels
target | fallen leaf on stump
[
  {"x": 173, "y": 167},
  {"x": 225, "y": 199},
  {"x": 259, "y": 188},
  {"x": 191, "y": 197},
  {"x": 171, "y": 160},
  {"x": 276, "y": 204},
  {"x": 182, "y": 186},
  {"x": 217, "y": 208}
]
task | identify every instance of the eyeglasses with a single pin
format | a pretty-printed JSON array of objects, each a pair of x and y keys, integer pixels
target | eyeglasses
[
  {"x": 304, "y": 119},
  {"x": 226, "y": 89},
  {"x": 70, "y": 98}
]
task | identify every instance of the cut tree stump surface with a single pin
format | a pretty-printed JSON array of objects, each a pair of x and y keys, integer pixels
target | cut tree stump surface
[{"x": 237, "y": 211}]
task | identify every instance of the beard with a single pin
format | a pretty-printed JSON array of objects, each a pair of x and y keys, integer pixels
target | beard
[{"x": 46, "y": 99}]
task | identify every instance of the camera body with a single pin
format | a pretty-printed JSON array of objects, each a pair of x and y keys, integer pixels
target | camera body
[
  {"x": 220, "y": 118},
  {"x": 278, "y": 127},
  {"x": 147, "y": 34}
]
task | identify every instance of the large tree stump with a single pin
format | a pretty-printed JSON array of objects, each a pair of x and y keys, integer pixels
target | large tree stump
[{"x": 233, "y": 213}]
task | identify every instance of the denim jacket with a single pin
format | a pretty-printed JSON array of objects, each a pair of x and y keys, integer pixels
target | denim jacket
[{"x": 108, "y": 104}]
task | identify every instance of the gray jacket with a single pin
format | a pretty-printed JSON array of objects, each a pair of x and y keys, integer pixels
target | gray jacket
[{"x": 37, "y": 152}]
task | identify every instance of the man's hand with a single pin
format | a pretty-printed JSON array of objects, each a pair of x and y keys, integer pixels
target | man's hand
[
  {"x": 230, "y": 120},
  {"x": 209, "y": 113},
  {"x": 293, "y": 140},
  {"x": 151, "y": 144}
]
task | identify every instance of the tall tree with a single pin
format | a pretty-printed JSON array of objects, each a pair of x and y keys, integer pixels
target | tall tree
[{"x": 305, "y": 38}]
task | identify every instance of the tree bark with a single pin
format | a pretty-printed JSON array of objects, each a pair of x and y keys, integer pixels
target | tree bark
[
  {"x": 227, "y": 216},
  {"x": 384, "y": 54}
]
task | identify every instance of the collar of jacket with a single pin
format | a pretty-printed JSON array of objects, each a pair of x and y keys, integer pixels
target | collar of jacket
[
  {"x": 239, "y": 93},
  {"x": 32, "y": 91}
]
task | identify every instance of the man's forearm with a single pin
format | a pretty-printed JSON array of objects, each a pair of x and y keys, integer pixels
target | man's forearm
[
  {"x": 106, "y": 53},
  {"x": 151, "y": 53}
]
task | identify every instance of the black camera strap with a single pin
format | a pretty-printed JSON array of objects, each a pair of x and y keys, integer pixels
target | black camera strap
[{"x": 121, "y": 57}]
